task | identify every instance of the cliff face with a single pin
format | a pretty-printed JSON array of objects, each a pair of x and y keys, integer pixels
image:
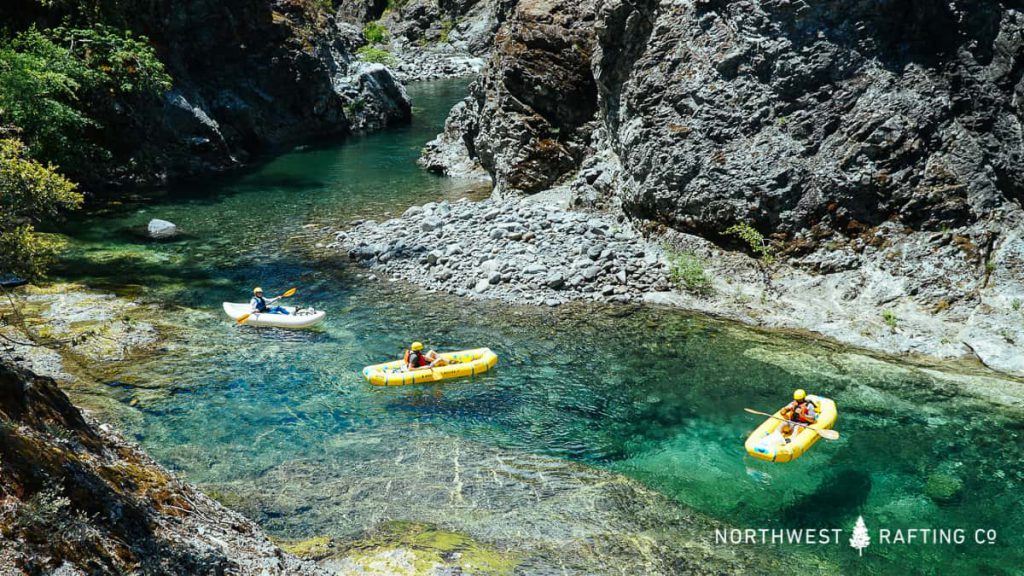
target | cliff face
[
  {"x": 834, "y": 115},
  {"x": 787, "y": 115},
  {"x": 81, "y": 499},
  {"x": 527, "y": 121},
  {"x": 250, "y": 76},
  {"x": 876, "y": 144}
]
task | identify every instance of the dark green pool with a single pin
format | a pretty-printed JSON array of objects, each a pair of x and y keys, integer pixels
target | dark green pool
[{"x": 533, "y": 455}]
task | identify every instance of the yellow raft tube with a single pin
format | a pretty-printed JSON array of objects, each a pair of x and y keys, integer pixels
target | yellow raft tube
[
  {"x": 767, "y": 444},
  {"x": 459, "y": 364}
]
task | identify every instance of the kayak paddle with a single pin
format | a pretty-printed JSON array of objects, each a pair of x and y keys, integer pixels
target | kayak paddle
[
  {"x": 287, "y": 293},
  {"x": 824, "y": 433}
]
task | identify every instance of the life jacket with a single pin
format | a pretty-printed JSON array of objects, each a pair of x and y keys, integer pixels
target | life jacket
[
  {"x": 419, "y": 362},
  {"x": 261, "y": 303},
  {"x": 800, "y": 412}
]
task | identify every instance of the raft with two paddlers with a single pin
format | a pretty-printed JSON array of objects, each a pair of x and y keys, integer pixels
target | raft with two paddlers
[
  {"x": 455, "y": 365},
  {"x": 767, "y": 444}
]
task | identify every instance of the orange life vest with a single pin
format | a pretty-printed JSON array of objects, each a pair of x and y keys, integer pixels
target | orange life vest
[
  {"x": 420, "y": 360},
  {"x": 799, "y": 412}
]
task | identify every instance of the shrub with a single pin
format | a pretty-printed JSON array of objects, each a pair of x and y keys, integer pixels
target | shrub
[
  {"x": 29, "y": 193},
  {"x": 375, "y": 55},
  {"x": 355, "y": 107},
  {"x": 686, "y": 270},
  {"x": 446, "y": 28},
  {"x": 375, "y": 32},
  {"x": 758, "y": 245},
  {"x": 889, "y": 317},
  {"x": 1015, "y": 304}
]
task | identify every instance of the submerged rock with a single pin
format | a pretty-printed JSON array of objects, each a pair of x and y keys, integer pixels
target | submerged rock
[
  {"x": 77, "y": 496},
  {"x": 943, "y": 488}
]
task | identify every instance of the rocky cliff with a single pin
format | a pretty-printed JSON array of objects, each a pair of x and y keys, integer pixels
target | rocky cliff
[
  {"x": 788, "y": 115},
  {"x": 876, "y": 145},
  {"x": 250, "y": 77},
  {"x": 76, "y": 498}
]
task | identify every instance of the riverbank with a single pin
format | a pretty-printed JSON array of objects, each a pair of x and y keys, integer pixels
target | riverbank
[
  {"x": 523, "y": 251},
  {"x": 74, "y": 492},
  {"x": 536, "y": 250}
]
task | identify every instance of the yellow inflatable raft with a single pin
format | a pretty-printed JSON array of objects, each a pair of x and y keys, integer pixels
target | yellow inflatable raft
[
  {"x": 767, "y": 443},
  {"x": 459, "y": 364}
]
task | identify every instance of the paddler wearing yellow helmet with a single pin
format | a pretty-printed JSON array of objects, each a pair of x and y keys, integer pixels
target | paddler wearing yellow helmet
[
  {"x": 800, "y": 410},
  {"x": 261, "y": 305},
  {"x": 416, "y": 359}
]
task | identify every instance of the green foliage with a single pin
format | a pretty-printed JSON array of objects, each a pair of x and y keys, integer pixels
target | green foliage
[
  {"x": 323, "y": 5},
  {"x": 355, "y": 107},
  {"x": 1015, "y": 304},
  {"x": 375, "y": 32},
  {"x": 375, "y": 55},
  {"x": 118, "y": 61},
  {"x": 39, "y": 81},
  {"x": 764, "y": 251},
  {"x": 446, "y": 28},
  {"x": 889, "y": 317},
  {"x": 29, "y": 193},
  {"x": 58, "y": 86},
  {"x": 686, "y": 271}
]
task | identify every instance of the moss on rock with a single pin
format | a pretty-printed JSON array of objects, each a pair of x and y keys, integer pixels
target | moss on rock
[
  {"x": 943, "y": 488},
  {"x": 407, "y": 548}
]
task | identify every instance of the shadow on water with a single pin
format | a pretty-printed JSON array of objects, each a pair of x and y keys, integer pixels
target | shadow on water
[{"x": 838, "y": 498}]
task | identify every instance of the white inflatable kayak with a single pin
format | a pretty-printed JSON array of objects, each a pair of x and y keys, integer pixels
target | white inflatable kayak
[{"x": 295, "y": 318}]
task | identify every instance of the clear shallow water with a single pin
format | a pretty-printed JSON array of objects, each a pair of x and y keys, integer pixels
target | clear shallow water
[{"x": 284, "y": 425}]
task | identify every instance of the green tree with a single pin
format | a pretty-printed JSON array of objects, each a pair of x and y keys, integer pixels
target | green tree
[
  {"x": 29, "y": 193},
  {"x": 59, "y": 86},
  {"x": 38, "y": 85}
]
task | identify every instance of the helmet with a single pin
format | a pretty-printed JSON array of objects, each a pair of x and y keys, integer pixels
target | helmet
[
  {"x": 799, "y": 394},
  {"x": 416, "y": 346},
  {"x": 787, "y": 428},
  {"x": 257, "y": 290}
]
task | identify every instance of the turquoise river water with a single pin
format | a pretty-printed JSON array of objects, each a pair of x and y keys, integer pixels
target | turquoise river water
[{"x": 607, "y": 440}]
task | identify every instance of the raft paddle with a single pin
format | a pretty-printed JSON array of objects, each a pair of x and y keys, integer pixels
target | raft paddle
[
  {"x": 287, "y": 293},
  {"x": 825, "y": 433}
]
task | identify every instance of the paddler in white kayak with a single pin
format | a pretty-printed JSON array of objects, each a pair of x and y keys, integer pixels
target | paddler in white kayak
[{"x": 261, "y": 305}]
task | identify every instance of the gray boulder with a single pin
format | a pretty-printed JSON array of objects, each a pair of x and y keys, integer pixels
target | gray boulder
[{"x": 161, "y": 229}]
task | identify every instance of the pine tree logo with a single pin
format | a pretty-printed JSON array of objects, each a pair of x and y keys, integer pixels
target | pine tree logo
[{"x": 860, "y": 539}]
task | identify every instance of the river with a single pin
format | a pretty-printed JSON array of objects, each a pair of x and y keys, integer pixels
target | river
[{"x": 604, "y": 441}]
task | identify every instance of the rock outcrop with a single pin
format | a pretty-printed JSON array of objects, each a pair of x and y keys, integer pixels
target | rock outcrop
[
  {"x": 76, "y": 498},
  {"x": 250, "y": 77},
  {"x": 532, "y": 111},
  {"x": 790, "y": 117},
  {"x": 874, "y": 144}
]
